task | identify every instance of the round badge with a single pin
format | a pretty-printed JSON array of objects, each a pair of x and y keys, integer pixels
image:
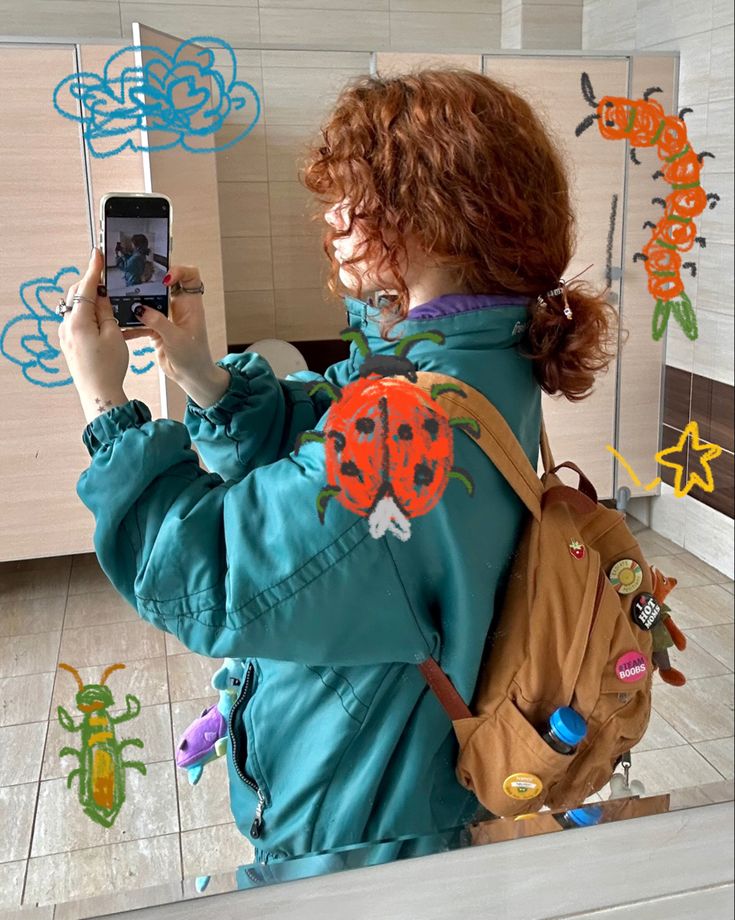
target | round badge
[
  {"x": 631, "y": 666},
  {"x": 645, "y": 611},
  {"x": 626, "y": 576},
  {"x": 522, "y": 785}
]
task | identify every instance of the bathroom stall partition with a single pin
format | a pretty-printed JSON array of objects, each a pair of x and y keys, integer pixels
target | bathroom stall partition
[
  {"x": 51, "y": 185},
  {"x": 612, "y": 197}
]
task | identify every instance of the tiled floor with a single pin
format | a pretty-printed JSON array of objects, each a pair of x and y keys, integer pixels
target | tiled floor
[{"x": 64, "y": 609}]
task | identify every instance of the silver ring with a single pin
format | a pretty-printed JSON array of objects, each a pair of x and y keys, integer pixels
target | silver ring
[
  {"x": 78, "y": 297},
  {"x": 62, "y": 307},
  {"x": 176, "y": 288}
]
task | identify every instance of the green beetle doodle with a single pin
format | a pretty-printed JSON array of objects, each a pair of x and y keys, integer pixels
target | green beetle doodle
[{"x": 101, "y": 768}]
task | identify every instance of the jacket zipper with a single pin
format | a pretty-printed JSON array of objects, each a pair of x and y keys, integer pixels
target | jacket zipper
[{"x": 257, "y": 826}]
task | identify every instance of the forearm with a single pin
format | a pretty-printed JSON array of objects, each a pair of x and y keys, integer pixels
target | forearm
[
  {"x": 207, "y": 388},
  {"x": 94, "y": 404}
]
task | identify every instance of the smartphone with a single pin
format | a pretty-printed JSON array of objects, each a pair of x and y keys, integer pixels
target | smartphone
[{"x": 136, "y": 243}]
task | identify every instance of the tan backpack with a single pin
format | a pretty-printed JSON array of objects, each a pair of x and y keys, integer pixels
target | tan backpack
[{"x": 567, "y": 635}]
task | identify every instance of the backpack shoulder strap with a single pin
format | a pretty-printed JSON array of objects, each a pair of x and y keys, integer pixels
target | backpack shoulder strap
[{"x": 496, "y": 437}]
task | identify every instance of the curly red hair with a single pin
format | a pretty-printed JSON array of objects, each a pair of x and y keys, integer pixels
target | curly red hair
[{"x": 461, "y": 163}]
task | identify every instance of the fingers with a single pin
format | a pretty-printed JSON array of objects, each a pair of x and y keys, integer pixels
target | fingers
[
  {"x": 185, "y": 275},
  {"x": 87, "y": 287}
]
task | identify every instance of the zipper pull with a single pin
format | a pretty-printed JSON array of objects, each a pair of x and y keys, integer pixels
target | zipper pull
[{"x": 257, "y": 824}]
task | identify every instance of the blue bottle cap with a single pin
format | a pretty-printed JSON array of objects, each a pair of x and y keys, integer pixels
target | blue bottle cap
[
  {"x": 585, "y": 817},
  {"x": 568, "y": 725}
]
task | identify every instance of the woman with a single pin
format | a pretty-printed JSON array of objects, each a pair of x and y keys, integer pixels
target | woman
[
  {"x": 443, "y": 187},
  {"x": 132, "y": 265}
]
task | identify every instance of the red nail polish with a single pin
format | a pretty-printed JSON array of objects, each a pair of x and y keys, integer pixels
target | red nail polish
[
  {"x": 102, "y": 290},
  {"x": 167, "y": 279}
]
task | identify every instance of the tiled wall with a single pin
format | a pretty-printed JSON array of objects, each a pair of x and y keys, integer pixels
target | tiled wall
[{"x": 700, "y": 375}]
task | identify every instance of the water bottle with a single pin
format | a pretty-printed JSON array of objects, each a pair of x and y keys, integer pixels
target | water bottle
[
  {"x": 565, "y": 730},
  {"x": 580, "y": 817}
]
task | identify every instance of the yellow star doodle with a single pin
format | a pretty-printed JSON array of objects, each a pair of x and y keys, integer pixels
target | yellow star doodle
[{"x": 708, "y": 452}]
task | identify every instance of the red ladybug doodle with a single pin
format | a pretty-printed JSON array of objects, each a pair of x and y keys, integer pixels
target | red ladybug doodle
[{"x": 389, "y": 445}]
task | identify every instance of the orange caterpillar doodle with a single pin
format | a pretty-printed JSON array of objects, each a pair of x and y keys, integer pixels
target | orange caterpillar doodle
[{"x": 645, "y": 124}]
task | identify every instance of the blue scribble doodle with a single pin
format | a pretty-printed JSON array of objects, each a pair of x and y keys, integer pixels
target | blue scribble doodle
[
  {"x": 25, "y": 339},
  {"x": 148, "y": 366},
  {"x": 168, "y": 92}
]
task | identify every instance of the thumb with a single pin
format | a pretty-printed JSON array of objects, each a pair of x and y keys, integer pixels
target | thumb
[{"x": 153, "y": 319}]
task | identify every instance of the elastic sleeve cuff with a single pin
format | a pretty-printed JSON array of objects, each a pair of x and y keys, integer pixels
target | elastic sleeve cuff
[
  {"x": 231, "y": 401},
  {"x": 110, "y": 425}
]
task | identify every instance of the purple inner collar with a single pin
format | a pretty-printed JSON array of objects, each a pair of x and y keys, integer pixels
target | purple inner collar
[{"x": 449, "y": 304}]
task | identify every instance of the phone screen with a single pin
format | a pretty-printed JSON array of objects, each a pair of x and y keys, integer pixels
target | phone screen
[{"x": 136, "y": 244}]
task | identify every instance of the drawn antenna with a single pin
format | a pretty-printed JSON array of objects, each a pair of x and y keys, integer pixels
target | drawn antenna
[
  {"x": 650, "y": 91},
  {"x": 587, "y": 91},
  {"x": 73, "y": 672},
  {"x": 106, "y": 673}
]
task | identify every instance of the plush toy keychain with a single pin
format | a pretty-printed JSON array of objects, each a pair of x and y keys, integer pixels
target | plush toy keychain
[{"x": 666, "y": 633}]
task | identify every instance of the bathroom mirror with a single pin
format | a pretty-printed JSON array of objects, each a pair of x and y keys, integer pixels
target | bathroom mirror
[{"x": 242, "y": 217}]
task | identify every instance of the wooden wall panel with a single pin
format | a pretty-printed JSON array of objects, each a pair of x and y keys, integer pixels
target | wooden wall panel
[
  {"x": 45, "y": 227},
  {"x": 641, "y": 359},
  {"x": 597, "y": 169},
  {"x": 190, "y": 180},
  {"x": 122, "y": 172}
]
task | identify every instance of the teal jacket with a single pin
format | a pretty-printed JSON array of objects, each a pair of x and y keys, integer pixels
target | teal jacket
[{"x": 335, "y": 737}]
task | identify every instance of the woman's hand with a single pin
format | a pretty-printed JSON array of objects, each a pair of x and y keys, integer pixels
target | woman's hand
[
  {"x": 181, "y": 344},
  {"x": 93, "y": 345}
]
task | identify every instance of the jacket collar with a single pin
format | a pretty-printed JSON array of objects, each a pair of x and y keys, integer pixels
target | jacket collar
[{"x": 494, "y": 320}]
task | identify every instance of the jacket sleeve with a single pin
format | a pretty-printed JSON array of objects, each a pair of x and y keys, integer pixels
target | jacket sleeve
[
  {"x": 257, "y": 419},
  {"x": 238, "y": 569}
]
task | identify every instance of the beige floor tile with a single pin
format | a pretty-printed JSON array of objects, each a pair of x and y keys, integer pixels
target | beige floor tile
[
  {"x": 208, "y": 802},
  {"x": 168, "y": 893},
  {"x": 695, "y": 661},
  {"x": 190, "y": 676},
  {"x": 22, "y": 750},
  {"x": 11, "y": 883},
  {"x": 687, "y": 573},
  {"x": 126, "y": 866},
  {"x": 688, "y": 570},
  {"x": 720, "y": 754},
  {"x": 29, "y": 584},
  {"x": 659, "y": 734},
  {"x": 146, "y": 678},
  {"x": 149, "y": 810},
  {"x": 28, "y": 654},
  {"x": 672, "y": 768},
  {"x": 152, "y": 726},
  {"x": 30, "y": 913},
  {"x": 95, "y": 609},
  {"x": 655, "y": 544},
  {"x": 56, "y": 567},
  {"x": 708, "y": 605},
  {"x": 219, "y": 848},
  {"x": 713, "y": 575},
  {"x": 635, "y": 526},
  {"x": 701, "y": 710},
  {"x": 25, "y": 699},
  {"x": 85, "y": 647},
  {"x": 706, "y": 794},
  {"x": 16, "y": 819},
  {"x": 174, "y": 647},
  {"x": 729, "y": 586},
  {"x": 32, "y": 615},
  {"x": 717, "y": 640},
  {"x": 87, "y": 578}
]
